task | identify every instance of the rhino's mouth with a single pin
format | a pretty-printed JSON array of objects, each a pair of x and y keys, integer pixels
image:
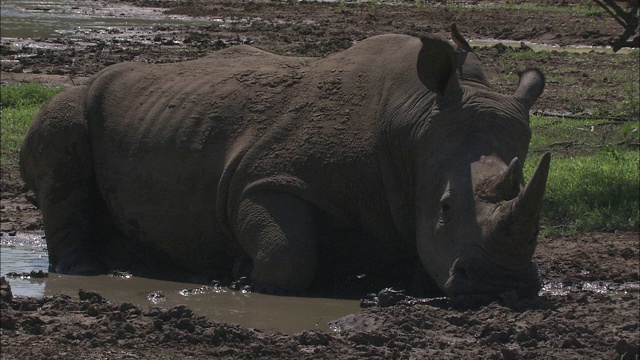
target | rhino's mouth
[{"x": 476, "y": 276}]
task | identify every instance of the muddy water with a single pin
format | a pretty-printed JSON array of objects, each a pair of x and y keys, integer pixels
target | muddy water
[
  {"x": 24, "y": 253},
  {"x": 71, "y": 18}
]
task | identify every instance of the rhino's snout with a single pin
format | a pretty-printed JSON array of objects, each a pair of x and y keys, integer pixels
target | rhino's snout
[
  {"x": 459, "y": 281},
  {"x": 473, "y": 276}
]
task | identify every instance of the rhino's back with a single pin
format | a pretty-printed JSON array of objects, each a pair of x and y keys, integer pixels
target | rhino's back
[{"x": 162, "y": 136}]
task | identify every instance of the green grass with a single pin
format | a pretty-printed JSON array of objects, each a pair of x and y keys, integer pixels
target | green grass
[
  {"x": 18, "y": 106},
  {"x": 580, "y": 137},
  {"x": 594, "y": 178}
]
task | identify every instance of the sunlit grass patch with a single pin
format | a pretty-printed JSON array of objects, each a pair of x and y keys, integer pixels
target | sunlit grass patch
[
  {"x": 18, "y": 105},
  {"x": 591, "y": 193}
]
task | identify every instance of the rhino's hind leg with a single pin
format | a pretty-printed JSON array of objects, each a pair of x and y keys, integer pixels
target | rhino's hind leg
[
  {"x": 55, "y": 162},
  {"x": 278, "y": 233}
]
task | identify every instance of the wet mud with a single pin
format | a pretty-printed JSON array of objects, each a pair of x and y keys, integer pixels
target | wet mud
[
  {"x": 589, "y": 304},
  {"x": 576, "y": 325}
]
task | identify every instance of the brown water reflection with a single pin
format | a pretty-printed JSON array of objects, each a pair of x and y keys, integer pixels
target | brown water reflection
[{"x": 266, "y": 312}]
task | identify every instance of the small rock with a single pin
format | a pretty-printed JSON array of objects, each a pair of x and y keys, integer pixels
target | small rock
[
  {"x": 571, "y": 342},
  {"x": 509, "y": 354},
  {"x": 370, "y": 300},
  {"x": 533, "y": 343},
  {"x": 93, "y": 310},
  {"x": 240, "y": 283},
  {"x": 124, "y": 307},
  {"x": 186, "y": 324},
  {"x": 180, "y": 311},
  {"x": 580, "y": 298},
  {"x": 91, "y": 296},
  {"x": 390, "y": 297},
  {"x": 156, "y": 297},
  {"x": 627, "y": 253},
  {"x": 311, "y": 337},
  {"x": 38, "y": 274},
  {"x": 5, "y": 291},
  {"x": 129, "y": 328},
  {"x": 8, "y": 323}
]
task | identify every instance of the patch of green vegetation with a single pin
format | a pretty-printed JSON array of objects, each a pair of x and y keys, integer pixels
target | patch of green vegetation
[
  {"x": 18, "y": 105},
  {"x": 16, "y": 96},
  {"x": 580, "y": 137},
  {"x": 631, "y": 102},
  {"x": 594, "y": 176},
  {"x": 521, "y": 55},
  {"x": 591, "y": 193}
]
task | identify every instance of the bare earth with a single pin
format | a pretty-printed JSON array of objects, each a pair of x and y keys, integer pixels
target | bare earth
[{"x": 593, "y": 314}]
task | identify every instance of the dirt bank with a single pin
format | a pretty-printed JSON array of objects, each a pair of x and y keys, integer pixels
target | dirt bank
[{"x": 589, "y": 308}]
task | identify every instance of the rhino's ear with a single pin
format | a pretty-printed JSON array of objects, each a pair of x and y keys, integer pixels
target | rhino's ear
[
  {"x": 530, "y": 86},
  {"x": 437, "y": 66}
]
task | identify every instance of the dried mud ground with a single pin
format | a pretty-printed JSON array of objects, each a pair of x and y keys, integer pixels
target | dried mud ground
[{"x": 590, "y": 305}]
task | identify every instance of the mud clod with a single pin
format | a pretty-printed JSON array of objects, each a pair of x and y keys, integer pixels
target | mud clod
[
  {"x": 90, "y": 296},
  {"x": 5, "y": 291}
]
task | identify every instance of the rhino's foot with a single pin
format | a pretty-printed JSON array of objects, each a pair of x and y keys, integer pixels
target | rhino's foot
[{"x": 78, "y": 262}]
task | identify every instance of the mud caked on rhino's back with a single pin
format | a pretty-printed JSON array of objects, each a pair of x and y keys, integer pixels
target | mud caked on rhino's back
[{"x": 175, "y": 128}]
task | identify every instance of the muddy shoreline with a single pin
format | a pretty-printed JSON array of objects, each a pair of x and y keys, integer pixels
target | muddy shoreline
[
  {"x": 576, "y": 325},
  {"x": 588, "y": 317}
]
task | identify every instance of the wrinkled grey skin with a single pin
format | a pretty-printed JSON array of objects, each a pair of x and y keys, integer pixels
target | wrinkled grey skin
[{"x": 197, "y": 166}]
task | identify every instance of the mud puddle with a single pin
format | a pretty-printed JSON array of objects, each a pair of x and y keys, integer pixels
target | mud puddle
[
  {"x": 25, "y": 253},
  {"x": 67, "y": 18}
]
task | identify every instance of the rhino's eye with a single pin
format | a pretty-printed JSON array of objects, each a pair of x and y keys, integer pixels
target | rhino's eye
[{"x": 445, "y": 208}]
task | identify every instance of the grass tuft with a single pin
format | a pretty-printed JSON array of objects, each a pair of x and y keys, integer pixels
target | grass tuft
[
  {"x": 593, "y": 181},
  {"x": 18, "y": 105}
]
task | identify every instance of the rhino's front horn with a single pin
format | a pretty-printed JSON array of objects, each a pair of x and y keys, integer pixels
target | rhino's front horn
[
  {"x": 528, "y": 204},
  {"x": 514, "y": 229}
]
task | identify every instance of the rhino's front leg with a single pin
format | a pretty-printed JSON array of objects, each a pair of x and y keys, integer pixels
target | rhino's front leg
[
  {"x": 75, "y": 239},
  {"x": 278, "y": 232}
]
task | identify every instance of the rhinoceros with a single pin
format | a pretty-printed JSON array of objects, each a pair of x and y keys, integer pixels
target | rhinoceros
[{"x": 249, "y": 162}]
